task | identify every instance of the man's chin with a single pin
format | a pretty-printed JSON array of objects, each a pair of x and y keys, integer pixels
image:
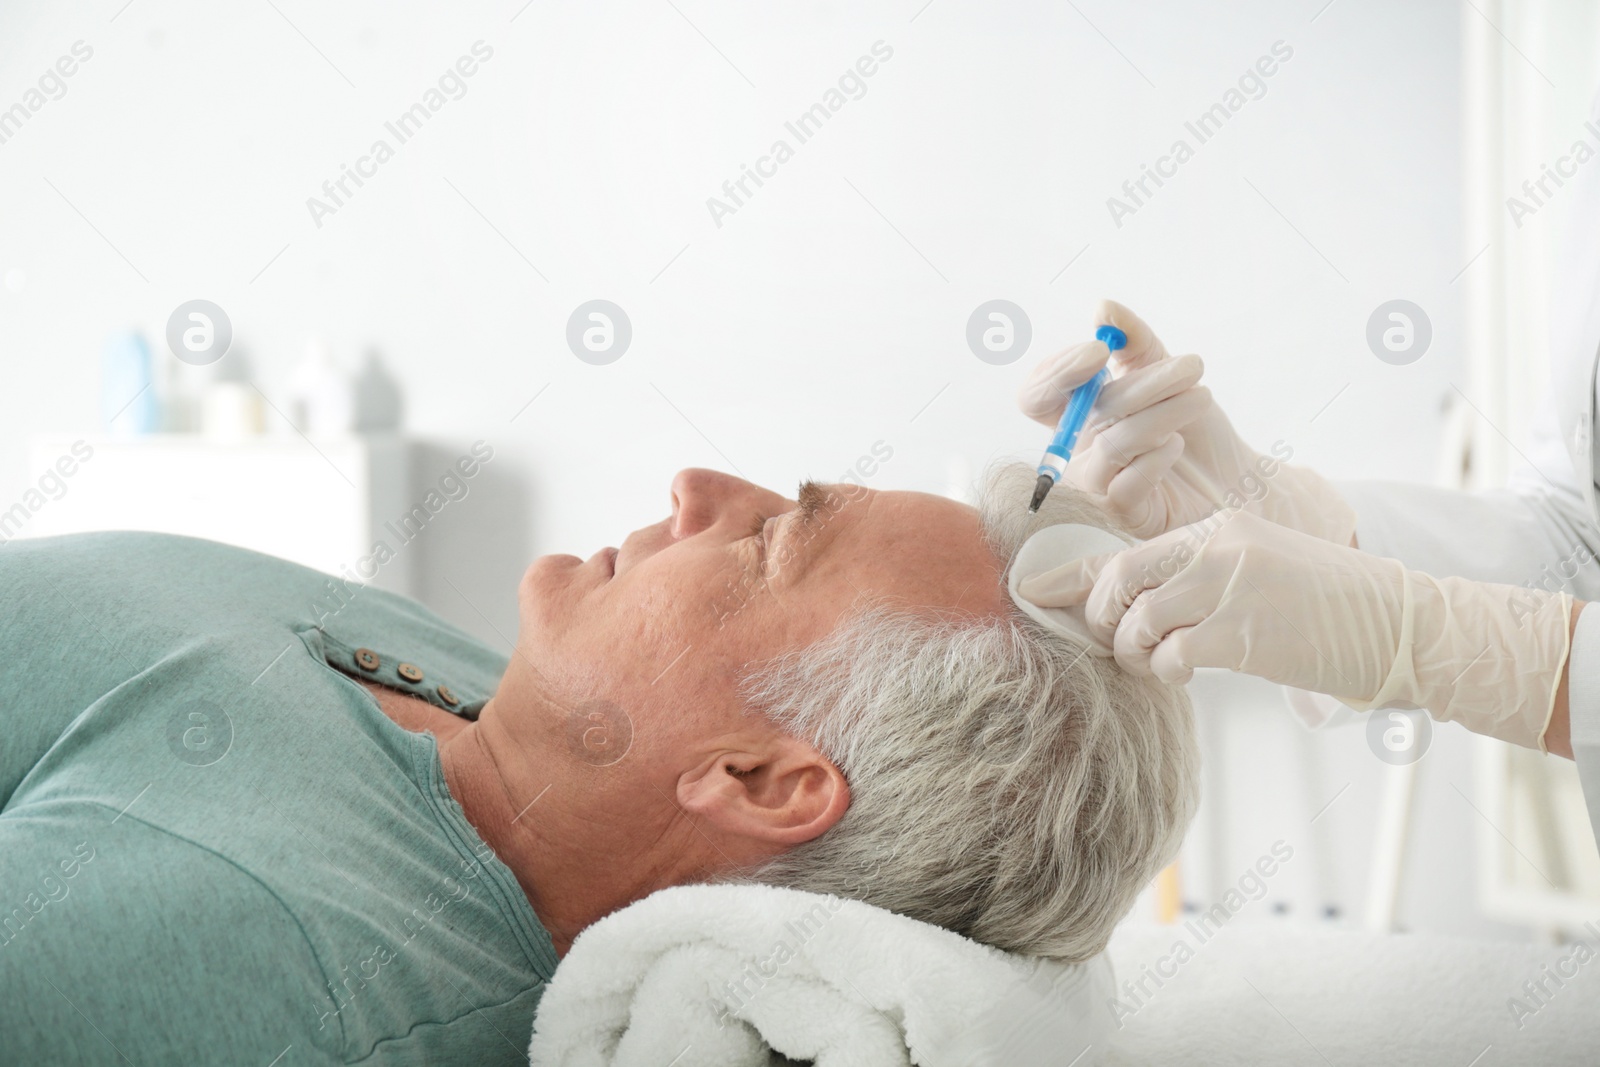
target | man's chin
[
  {"x": 546, "y": 574},
  {"x": 549, "y": 577}
]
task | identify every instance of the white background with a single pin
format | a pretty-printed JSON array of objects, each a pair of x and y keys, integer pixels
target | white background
[{"x": 827, "y": 314}]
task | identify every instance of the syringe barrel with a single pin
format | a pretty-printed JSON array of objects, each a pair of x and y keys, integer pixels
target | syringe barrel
[{"x": 1076, "y": 415}]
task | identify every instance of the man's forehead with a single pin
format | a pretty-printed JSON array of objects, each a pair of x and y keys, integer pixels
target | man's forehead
[
  {"x": 915, "y": 543},
  {"x": 903, "y": 513}
]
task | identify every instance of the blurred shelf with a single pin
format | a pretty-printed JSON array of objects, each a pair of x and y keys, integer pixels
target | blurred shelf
[{"x": 323, "y": 504}]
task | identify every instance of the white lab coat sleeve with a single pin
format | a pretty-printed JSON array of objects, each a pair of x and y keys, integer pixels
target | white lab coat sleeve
[
  {"x": 1583, "y": 707},
  {"x": 1538, "y": 538}
]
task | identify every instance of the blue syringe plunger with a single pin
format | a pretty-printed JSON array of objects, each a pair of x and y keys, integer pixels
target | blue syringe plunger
[
  {"x": 1113, "y": 338},
  {"x": 1073, "y": 419}
]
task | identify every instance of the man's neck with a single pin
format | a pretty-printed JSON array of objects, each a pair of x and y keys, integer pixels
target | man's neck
[{"x": 578, "y": 853}]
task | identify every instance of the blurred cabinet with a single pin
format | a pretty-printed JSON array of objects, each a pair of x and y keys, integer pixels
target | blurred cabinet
[
  {"x": 1537, "y": 865},
  {"x": 322, "y": 504}
]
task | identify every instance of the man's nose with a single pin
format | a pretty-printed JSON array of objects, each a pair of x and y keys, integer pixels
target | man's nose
[{"x": 700, "y": 498}]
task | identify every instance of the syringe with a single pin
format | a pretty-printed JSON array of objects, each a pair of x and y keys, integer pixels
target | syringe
[{"x": 1073, "y": 418}]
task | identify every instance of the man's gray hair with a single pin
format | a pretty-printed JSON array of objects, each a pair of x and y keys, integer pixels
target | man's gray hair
[{"x": 1004, "y": 783}]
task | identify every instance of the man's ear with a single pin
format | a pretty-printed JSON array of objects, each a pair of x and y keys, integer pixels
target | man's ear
[{"x": 783, "y": 795}]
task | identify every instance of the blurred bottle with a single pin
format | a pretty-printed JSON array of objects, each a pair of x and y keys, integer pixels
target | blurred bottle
[
  {"x": 321, "y": 398},
  {"x": 128, "y": 402},
  {"x": 230, "y": 412}
]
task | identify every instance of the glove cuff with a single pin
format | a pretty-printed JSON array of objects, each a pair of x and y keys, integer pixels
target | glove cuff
[{"x": 1490, "y": 657}]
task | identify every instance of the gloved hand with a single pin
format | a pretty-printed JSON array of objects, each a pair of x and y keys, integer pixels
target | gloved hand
[
  {"x": 1240, "y": 592},
  {"x": 1159, "y": 453}
]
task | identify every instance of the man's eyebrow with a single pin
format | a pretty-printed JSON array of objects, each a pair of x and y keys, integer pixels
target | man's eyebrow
[
  {"x": 816, "y": 505},
  {"x": 812, "y": 498}
]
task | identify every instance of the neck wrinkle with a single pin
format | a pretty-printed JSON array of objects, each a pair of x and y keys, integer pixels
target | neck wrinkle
[
  {"x": 494, "y": 813},
  {"x": 579, "y": 881}
]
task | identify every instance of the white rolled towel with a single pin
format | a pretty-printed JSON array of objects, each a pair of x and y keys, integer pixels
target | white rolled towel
[{"x": 725, "y": 976}]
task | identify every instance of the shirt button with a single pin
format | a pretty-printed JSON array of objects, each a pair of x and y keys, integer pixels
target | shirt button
[
  {"x": 367, "y": 659},
  {"x": 410, "y": 672},
  {"x": 447, "y": 696}
]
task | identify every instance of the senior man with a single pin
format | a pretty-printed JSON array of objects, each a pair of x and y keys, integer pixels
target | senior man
[{"x": 238, "y": 828}]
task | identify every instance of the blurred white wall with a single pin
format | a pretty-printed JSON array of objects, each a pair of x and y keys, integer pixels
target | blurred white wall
[
  {"x": 805, "y": 328},
  {"x": 827, "y": 314},
  {"x": 1524, "y": 109}
]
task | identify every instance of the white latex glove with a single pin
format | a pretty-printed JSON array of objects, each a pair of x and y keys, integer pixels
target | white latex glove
[
  {"x": 1240, "y": 592},
  {"x": 1158, "y": 453}
]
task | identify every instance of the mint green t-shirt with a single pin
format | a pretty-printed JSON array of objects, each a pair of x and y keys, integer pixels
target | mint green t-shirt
[{"x": 214, "y": 847}]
